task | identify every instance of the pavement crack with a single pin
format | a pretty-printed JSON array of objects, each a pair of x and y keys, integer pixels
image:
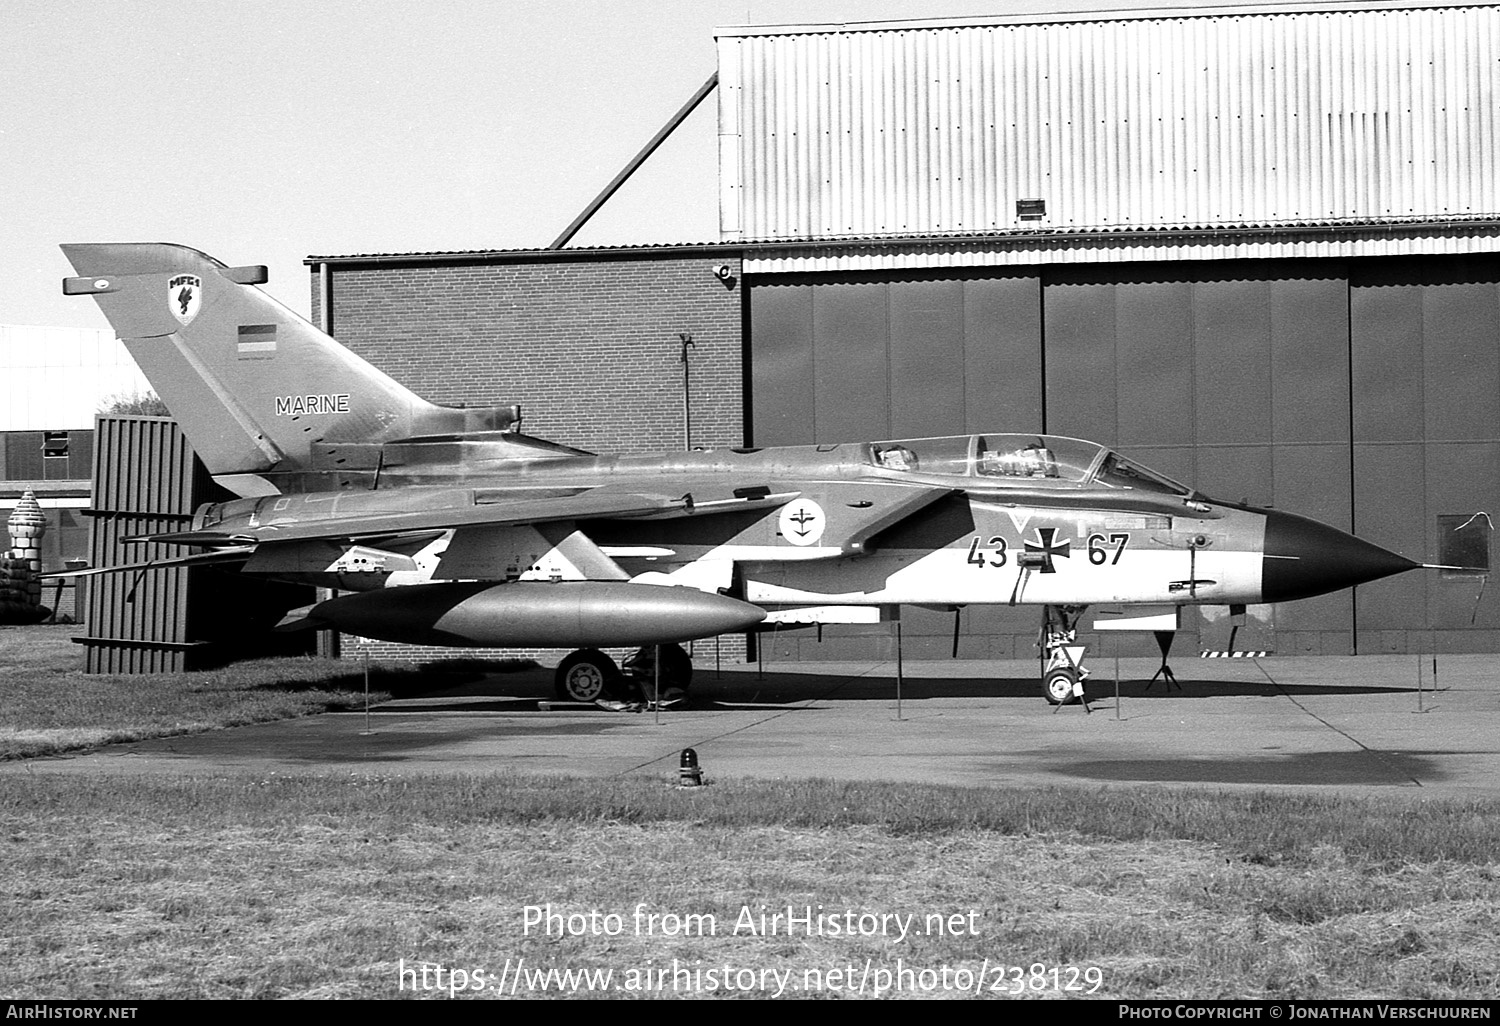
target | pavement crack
[
  {"x": 835, "y": 689},
  {"x": 1337, "y": 730}
]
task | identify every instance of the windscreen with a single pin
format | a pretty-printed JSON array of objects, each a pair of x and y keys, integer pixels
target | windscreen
[{"x": 1118, "y": 472}]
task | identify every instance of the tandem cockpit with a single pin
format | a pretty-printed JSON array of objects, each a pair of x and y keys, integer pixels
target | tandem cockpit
[{"x": 1043, "y": 461}]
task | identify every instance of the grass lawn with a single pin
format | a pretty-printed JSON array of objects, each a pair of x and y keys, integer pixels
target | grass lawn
[
  {"x": 331, "y": 887},
  {"x": 483, "y": 886},
  {"x": 49, "y": 705}
]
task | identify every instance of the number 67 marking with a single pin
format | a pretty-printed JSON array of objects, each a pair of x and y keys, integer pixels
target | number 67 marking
[{"x": 1098, "y": 554}]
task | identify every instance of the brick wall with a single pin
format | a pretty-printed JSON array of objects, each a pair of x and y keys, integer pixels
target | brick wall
[
  {"x": 589, "y": 348},
  {"x": 704, "y": 652}
]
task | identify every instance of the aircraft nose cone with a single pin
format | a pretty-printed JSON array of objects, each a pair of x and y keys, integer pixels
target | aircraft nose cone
[{"x": 1304, "y": 558}]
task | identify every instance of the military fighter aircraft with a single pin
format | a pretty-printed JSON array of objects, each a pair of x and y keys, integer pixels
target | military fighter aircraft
[{"x": 449, "y": 526}]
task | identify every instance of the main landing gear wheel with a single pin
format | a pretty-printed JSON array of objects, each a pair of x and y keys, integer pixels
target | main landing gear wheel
[
  {"x": 585, "y": 676},
  {"x": 1058, "y": 685}
]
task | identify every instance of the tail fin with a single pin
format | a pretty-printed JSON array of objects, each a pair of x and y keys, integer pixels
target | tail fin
[{"x": 260, "y": 392}]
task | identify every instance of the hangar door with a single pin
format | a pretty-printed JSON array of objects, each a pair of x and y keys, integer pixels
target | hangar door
[
  {"x": 1364, "y": 393},
  {"x": 1425, "y": 345},
  {"x": 1231, "y": 376},
  {"x": 840, "y": 359}
]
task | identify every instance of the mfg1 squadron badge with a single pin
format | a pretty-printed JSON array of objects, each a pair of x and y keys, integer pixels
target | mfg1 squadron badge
[{"x": 185, "y": 295}]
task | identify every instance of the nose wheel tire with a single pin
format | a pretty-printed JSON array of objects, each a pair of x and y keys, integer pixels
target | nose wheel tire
[
  {"x": 585, "y": 676},
  {"x": 1058, "y": 685}
]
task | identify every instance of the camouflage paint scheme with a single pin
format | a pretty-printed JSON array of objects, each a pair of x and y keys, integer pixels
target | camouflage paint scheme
[{"x": 350, "y": 481}]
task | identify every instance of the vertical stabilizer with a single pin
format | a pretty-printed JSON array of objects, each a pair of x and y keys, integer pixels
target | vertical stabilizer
[{"x": 258, "y": 390}]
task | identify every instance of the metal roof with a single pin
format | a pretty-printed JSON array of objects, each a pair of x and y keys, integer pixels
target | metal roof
[
  {"x": 1036, "y": 245},
  {"x": 1311, "y": 117},
  {"x": 1102, "y": 14},
  {"x": 655, "y": 249}
]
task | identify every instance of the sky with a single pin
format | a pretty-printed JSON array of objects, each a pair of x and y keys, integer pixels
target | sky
[{"x": 264, "y": 132}]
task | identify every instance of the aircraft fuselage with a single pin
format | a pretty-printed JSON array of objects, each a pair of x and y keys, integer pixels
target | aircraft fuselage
[{"x": 828, "y": 525}]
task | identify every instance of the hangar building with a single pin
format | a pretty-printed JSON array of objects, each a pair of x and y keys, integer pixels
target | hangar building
[{"x": 1257, "y": 249}]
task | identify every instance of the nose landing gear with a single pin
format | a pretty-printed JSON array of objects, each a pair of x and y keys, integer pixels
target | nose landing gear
[{"x": 1063, "y": 672}]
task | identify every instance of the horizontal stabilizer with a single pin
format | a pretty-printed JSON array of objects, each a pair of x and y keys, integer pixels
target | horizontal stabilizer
[
  {"x": 236, "y": 555},
  {"x": 207, "y": 539}
]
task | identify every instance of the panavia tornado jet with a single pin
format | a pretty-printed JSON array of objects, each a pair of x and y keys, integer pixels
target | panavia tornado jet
[{"x": 449, "y": 526}]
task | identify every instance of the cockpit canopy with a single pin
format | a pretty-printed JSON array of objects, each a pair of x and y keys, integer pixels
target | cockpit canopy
[{"x": 1034, "y": 460}]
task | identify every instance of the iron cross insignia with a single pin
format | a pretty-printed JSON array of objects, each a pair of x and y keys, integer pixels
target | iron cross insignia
[{"x": 1048, "y": 546}]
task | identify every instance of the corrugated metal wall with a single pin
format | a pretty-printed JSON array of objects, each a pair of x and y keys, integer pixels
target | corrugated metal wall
[
  {"x": 147, "y": 480},
  {"x": 1214, "y": 120}
]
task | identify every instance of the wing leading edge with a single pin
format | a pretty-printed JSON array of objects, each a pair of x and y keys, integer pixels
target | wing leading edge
[{"x": 597, "y": 504}]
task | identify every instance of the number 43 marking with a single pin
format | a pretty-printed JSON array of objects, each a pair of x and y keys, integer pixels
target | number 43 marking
[
  {"x": 1098, "y": 554},
  {"x": 977, "y": 557},
  {"x": 1098, "y": 546}
]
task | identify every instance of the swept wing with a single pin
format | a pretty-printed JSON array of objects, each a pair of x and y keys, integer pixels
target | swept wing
[{"x": 602, "y": 503}]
